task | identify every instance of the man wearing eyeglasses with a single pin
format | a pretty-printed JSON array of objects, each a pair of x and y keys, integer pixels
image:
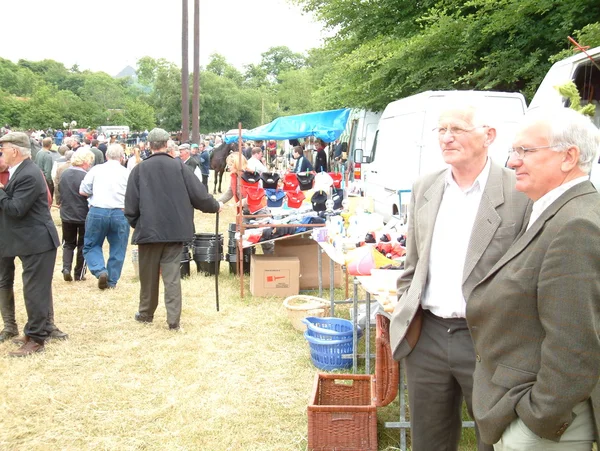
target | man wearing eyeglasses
[
  {"x": 28, "y": 232},
  {"x": 535, "y": 317},
  {"x": 461, "y": 221}
]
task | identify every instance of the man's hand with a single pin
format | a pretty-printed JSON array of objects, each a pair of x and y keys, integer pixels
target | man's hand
[
  {"x": 220, "y": 207},
  {"x": 1, "y": 186}
]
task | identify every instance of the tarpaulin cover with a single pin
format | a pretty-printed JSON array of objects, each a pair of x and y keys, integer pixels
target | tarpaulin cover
[{"x": 326, "y": 125}]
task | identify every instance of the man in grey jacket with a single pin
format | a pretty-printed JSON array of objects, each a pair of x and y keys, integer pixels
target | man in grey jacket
[
  {"x": 159, "y": 204},
  {"x": 461, "y": 221}
]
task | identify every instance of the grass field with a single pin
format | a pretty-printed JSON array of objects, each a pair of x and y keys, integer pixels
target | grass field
[{"x": 238, "y": 379}]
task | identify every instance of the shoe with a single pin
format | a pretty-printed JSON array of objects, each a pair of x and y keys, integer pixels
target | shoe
[
  {"x": 174, "y": 327},
  {"x": 57, "y": 334},
  {"x": 141, "y": 319},
  {"x": 79, "y": 279},
  {"x": 6, "y": 335},
  {"x": 20, "y": 340},
  {"x": 67, "y": 276},
  {"x": 30, "y": 347},
  {"x": 103, "y": 281}
]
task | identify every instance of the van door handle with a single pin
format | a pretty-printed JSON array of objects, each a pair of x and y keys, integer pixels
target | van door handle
[{"x": 373, "y": 172}]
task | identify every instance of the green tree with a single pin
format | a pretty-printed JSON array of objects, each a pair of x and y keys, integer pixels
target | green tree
[
  {"x": 218, "y": 65},
  {"x": 280, "y": 59},
  {"x": 392, "y": 49},
  {"x": 295, "y": 92}
]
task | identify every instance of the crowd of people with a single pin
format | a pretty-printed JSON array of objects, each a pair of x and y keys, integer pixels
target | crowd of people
[{"x": 99, "y": 194}]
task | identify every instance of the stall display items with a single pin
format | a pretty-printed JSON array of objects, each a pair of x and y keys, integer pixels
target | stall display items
[
  {"x": 274, "y": 197},
  {"x": 305, "y": 180},
  {"x": 270, "y": 180}
]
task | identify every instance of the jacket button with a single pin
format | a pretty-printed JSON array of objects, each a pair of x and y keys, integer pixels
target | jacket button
[
  {"x": 478, "y": 358},
  {"x": 562, "y": 429}
]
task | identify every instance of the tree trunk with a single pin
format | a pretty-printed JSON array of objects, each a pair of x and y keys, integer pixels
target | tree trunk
[
  {"x": 185, "y": 74},
  {"x": 196, "y": 93}
]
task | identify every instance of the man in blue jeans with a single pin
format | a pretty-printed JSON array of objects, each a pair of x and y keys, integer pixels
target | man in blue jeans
[{"x": 105, "y": 186}]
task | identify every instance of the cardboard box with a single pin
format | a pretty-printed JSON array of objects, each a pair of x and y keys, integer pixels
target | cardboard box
[
  {"x": 306, "y": 250},
  {"x": 274, "y": 276}
]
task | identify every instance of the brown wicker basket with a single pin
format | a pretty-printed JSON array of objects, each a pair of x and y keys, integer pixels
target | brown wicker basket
[
  {"x": 386, "y": 368},
  {"x": 342, "y": 415}
]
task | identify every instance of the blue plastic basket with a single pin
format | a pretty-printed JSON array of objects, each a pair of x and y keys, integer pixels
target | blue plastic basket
[
  {"x": 327, "y": 354},
  {"x": 330, "y": 328}
]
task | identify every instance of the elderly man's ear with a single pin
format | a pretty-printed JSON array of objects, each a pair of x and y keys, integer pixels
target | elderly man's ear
[{"x": 571, "y": 159}]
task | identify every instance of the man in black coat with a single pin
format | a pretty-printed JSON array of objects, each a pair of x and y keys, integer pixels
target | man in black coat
[
  {"x": 28, "y": 232},
  {"x": 159, "y": 204}
]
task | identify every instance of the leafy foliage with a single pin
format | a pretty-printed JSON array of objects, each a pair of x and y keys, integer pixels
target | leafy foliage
[{"x": 387, "y": 49}]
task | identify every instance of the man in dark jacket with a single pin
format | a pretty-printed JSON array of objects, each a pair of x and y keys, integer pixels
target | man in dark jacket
[
  {"x": 159, "y": 204},
  {"x": 73, "y": 212},
  {"x": 204, "y": 163},
  {"x": 28, "y": 232},
  {"x": 321, "y": 159}
]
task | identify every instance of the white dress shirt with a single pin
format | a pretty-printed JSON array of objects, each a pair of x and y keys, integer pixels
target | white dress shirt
[
  {"x": 254, "y": 164},
  {"x": 453, "y": 225},
  {"x": 105, "y": 184},
  {"x": 12, "y": 170},
  {"x": 547, "y": 199}
]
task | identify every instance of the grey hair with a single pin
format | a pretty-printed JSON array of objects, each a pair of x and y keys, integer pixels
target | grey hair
[
  {"x": 82, "y": 156},
  {"x": 470, "y": 102},
  {"x": 566, "y": 128},
  {"x": 71, "y": 139},
  {"x": 24, "y": 151},
  {"x": 172, "y": 146},
  {"x": 115, "y": 152},
  {"x": 69, "y": 155}
]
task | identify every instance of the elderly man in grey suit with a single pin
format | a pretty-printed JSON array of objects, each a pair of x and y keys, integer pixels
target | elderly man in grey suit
[
  {"x": 461, "y": 221},
  {"x": 535, "y": 318}
]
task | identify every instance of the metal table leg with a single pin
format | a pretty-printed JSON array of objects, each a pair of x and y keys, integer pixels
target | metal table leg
[
  {"x": 355, "y": 329},
  {"x": 368, "y": 335}
]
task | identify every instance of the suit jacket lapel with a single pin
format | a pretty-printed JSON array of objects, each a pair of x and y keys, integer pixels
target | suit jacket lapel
[
  {"x": 525, "y": 238},
  {"x": 428, "y": 212},
  {"x": 487, "y": 220}
]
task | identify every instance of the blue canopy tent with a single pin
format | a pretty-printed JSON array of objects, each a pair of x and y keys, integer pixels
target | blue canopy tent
[{"x": 326, "y": 125}]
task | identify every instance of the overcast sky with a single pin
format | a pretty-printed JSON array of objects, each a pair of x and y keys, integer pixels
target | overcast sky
[{"x": 108, "y": 35}]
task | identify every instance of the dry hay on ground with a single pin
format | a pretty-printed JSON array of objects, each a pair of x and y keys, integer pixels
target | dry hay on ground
[{"x": 238, "y": 379}]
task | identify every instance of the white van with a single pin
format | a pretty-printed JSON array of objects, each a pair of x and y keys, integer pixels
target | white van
[
  {"x": 113, "y": 129},
  {"x": 358, "y": 137},
  {"x": 586, "y": 75},
  {"x": 406, "y": 146}
]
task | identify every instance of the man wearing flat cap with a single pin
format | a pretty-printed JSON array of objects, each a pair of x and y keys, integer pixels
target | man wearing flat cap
[
  {"x": 185, "y": 153},
  {"x": 28, "y": 232},
  {"x": 159, "y": 204}
]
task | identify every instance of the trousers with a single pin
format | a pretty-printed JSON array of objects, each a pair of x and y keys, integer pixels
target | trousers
[
  {"x": 156, "y": 259},
  {"x": 109, "y": 224},
  {"x": 73, "y": 238},
  {"x": 37, "y": 292},
  {"x": 439, "y": 372},
  {"x": 579, "y": 436}
]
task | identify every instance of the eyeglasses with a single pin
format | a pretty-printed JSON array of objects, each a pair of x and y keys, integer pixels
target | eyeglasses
[
  {"x": 454, "y": 130},
  {"x": 520, "y": 151}
]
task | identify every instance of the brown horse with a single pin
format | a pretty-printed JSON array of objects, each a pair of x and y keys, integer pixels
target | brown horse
[{"x": 217, "y": 161}]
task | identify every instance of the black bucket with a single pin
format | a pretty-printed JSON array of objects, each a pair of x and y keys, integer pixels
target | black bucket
[
  {"x": 186, "y": 257},
  {"x": 232, "y": 259},
  {"x": 208, "y": 252}
]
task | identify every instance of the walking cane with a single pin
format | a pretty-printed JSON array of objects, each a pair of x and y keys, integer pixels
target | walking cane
[{"x": 217, "y": 260}]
